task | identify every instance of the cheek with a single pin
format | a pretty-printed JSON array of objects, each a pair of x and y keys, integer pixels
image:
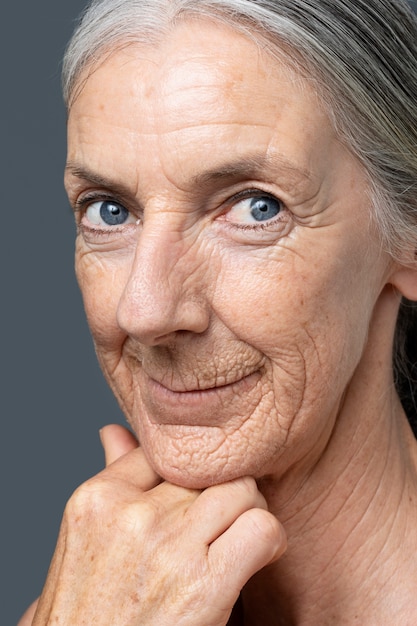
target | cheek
[
  {"x": 102, "y": 283},
  {"x": 263, "y": 301},
  {"x": 309, "y": 319}
]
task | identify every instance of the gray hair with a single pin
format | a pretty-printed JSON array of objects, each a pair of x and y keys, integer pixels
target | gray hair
[{"x": 361, "y": 56}]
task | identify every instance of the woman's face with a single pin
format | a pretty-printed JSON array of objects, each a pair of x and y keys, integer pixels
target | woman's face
[{"x": 224, "y": 252}]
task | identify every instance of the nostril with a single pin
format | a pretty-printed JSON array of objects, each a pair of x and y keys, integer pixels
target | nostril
[{"x": 152, "y": 312}]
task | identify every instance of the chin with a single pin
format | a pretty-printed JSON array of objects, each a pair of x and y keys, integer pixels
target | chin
[
  {"x": 192, "y": 476},
  {"x": 200, "y": 457}
]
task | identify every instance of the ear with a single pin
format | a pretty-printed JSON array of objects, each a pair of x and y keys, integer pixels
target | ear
[{"x": 404, "y": 278}]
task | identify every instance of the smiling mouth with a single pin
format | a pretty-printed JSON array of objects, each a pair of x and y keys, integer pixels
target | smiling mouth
[
  {"x": 211, "y": 405},
  {"x": 202, "y": 389}
]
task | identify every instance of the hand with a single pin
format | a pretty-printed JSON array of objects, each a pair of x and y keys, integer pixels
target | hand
[
  {"x": 134, "y": 550},
  {"x": 116, "y": 441}
]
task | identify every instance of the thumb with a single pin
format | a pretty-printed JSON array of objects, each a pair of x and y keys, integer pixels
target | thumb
[
  {"x": 27, "y": 618},
  {"x": 116, "y": 441}
]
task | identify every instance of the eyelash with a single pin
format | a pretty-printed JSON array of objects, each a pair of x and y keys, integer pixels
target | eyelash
[{"x": 83, "y": 203}]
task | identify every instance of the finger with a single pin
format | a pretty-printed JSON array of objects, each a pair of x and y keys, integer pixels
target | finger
[
  {"x": 253, "y": 541},
  {"x": 27, "y": 618},
  {"x": 116, "y": 441},
  {"x": 170, "y": 497},
  {"x": 219, "y": 506},
  {"x": 134, "y": 469},
  {"x": 125, "y": 459}
]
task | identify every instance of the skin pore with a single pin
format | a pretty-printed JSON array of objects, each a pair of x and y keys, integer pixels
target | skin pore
[
  {"x": 211, "y": 326},
  {"x": 243, "y": 311}
]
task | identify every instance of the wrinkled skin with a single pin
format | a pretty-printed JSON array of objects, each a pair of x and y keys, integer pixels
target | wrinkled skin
[
  {"x": 243, "y": 313},
  {"x": 135, "y": 550},
  {"x": 219, "y": 341}
]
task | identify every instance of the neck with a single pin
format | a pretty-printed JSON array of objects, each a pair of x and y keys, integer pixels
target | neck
[{"x": 351, "y": 544}]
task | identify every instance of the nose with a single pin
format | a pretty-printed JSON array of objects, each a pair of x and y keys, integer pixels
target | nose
[{"x": 164, "y": 293}]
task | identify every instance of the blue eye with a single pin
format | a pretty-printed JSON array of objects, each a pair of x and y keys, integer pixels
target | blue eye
[
  {"x": 264, "y": 208},
  {"x": 109, "y": 213},
  {"x": 113, "y": 214},
  {"x": 253, "y": 210}
]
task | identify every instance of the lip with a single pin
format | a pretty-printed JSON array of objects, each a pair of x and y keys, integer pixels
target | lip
[
  {"x": 210, "y": 406},
  {"x": 200, "y": 392}
]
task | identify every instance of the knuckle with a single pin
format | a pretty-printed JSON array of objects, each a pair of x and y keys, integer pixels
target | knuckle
[
  {"x": 100, "y": 502},
  {"x": 88, "y": 500},
  {"x": 141, "y": 517},
  {"x": 265, "y": 526}
]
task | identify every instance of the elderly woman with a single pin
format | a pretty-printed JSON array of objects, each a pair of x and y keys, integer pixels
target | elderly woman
[{"x": 244, "y": 180}]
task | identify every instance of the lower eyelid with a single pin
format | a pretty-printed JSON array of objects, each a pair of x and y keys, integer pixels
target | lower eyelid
[
  {"x": 108, "y": 240},
  {"x": 257, "y": 226}
]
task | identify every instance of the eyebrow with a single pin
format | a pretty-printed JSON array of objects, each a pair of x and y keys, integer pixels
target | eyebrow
[
  {"x": 248, "y": 167},
  {"x": 84, "y": 173}
]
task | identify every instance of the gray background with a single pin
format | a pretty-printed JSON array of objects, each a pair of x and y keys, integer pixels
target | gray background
[
  {"x": 53, "y": 398},
  {"x": 52, "y": 393}
]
